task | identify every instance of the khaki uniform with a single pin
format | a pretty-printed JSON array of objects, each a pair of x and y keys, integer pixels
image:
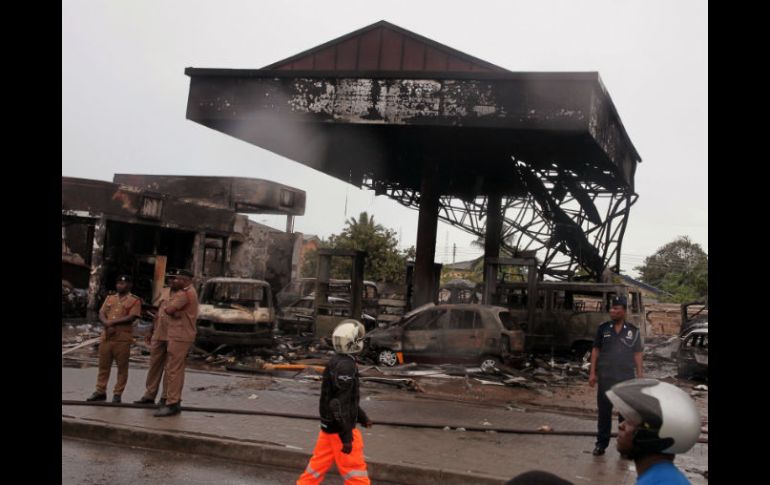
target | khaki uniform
[
  {"x": 172, "y": 337},
  {"x": 117, "y": 346}
]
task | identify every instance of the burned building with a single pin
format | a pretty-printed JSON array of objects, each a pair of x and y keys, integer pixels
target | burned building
[{"x": 143, "y": 224}]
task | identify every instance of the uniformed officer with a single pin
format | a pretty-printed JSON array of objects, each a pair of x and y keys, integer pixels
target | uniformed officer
[
  {"x": 617, "y": 352},
  {"x": 117, "y": 315},
  {"x": 172, "y": 335}
]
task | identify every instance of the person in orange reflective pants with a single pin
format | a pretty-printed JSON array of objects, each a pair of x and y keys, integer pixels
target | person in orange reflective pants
[{"x": 339, "y": 441}]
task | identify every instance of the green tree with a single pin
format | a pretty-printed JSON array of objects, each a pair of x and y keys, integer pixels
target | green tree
[
  {"x": 384, "y": 262},
  {"x": 679, "y": 268}
]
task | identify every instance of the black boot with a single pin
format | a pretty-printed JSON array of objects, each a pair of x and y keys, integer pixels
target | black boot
[
  {"x": 168, "y": 411},
  {"x": 116, "y": 398},
  {"x": 97, "y": 396}
]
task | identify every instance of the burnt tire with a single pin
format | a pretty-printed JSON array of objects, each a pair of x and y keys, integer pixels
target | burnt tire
[
  {"x": 489, "y": 363},
  {"x": 387, "y": 358}
]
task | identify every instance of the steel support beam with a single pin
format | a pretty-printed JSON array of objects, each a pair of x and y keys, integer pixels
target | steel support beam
[{"x": 427, "y": 224}]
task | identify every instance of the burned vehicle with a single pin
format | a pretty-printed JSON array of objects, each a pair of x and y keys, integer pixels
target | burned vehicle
[
  {"x": 300, "y": 315},
  {"x": 303, "y": 287},
  {"x": 459, "y": 291},
  {"x": 235, "y": 312},
  {"x": 566, "y": 315},
  {"x": 692, "y": 356},
  {"x": 464, "y": 333}
]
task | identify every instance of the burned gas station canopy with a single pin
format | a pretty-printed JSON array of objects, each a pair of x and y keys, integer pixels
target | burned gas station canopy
[
  {"x": 378, "y": 102},
  {"x": 389, "y": 109}
]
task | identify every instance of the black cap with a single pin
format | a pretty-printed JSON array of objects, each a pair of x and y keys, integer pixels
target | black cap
[
  {"x": 124, "y": 277},
  {"x": 620, "y": 300},
  {"x": 180, "y": 272}
]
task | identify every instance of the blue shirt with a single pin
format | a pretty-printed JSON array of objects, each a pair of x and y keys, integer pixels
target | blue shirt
[
  {"x": 662, "y": 473},
  {"x": 616, "y": 351}
]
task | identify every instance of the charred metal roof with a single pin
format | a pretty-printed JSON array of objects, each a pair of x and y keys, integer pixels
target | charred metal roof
[
  {"x": 383, "y": 46},
  {"x": 354, "y": 109},
  {"x": 96, "y": 198},
  {"x": 241, "y": 194},
  {"x": 387, "y": 109}
]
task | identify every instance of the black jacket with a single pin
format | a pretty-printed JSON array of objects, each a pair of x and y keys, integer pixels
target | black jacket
[{"x": 339, "y": 407}]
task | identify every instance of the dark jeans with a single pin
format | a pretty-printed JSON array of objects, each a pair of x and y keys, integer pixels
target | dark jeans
[{"x": 604, "y": 426}]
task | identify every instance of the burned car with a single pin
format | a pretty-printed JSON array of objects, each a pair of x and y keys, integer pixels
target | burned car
[
  {"x": 300, "y": 315},
  {"x": 300, "y": 288},
  {"x": 236, "y": 312},
  {"x": 692, "y": 356},
  {"x": 303, "y": 287},
  {"x": 459, "y": 291},
  {"x": 462, "y": 333}
]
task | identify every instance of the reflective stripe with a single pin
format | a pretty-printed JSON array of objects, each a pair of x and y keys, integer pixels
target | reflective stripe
[
  {"x": 355, "y": 473},
  {"x": 312, "y": 472}
]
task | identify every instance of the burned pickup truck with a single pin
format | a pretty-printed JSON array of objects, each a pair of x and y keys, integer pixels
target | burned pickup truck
[{"x": 235, "y": 312}]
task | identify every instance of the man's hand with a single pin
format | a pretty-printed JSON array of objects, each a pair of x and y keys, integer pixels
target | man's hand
[
  {"x": 592, "y": 379},
  {"x": 347, "y": 448}
]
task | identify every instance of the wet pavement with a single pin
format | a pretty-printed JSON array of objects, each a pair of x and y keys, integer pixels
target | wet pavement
[
  {"x": 86, "y": 462},
  {"x": 495, "y": 454}
]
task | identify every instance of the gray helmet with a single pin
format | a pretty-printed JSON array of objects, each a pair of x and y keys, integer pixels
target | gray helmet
[
  {"x": 666, "y": 418},
  {"x": 348, "y": 337}
]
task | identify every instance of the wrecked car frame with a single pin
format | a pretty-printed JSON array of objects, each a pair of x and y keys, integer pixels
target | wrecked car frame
[
  {"x": 566, "y": 314},
  {"x": 300, "y": 315},
  {"x": 235, "y": 312},
  {"x": 692, "y": 355},
  {"x": 472, "y": 333}
]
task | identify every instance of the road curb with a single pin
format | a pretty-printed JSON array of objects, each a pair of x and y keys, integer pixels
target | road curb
[{"x": 256, "y": 453}]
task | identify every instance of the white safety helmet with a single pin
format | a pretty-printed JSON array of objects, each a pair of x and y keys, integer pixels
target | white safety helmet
[
  {"x": 348, "y": 337},
  {"x": 666, "y": 418}
]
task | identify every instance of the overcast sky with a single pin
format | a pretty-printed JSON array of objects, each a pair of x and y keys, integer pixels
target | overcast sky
[{"x": 124, "y": 92}]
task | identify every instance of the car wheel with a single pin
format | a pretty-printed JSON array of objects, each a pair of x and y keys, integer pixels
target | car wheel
[
  {"x": 489, "y": 363},
  {"x": 387, "y": 358}
]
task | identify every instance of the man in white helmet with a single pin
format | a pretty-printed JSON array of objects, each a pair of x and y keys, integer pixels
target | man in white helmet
[
  {"x": 660, "y": 421},
  {"x": 339, "y": 441}
]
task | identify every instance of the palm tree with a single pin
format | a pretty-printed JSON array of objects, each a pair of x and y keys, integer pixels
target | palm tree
[{"x": 364, "y": 221}]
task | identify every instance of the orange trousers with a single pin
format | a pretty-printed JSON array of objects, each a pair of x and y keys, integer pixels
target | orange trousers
[{"x": 328, "y": 449}]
